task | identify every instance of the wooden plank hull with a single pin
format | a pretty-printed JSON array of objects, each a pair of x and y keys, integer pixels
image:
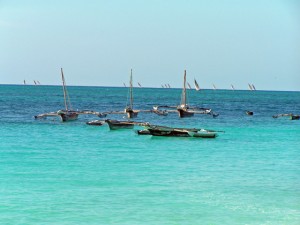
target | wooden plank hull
[
  {"x": 69, "y": 116},
  {"x": 184, "y": 113},
  {"x": 116, "y": 125},
  {"x": 131, "y": 113},
  {"x": 203, "y": 134},
  {"x": 170, "y": 133}
]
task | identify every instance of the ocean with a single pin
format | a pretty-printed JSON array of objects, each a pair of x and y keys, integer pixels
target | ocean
[{"x": 71, "y": 173}]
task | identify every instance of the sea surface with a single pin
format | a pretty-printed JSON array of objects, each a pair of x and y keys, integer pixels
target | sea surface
[{"x": 71, "y": 173}]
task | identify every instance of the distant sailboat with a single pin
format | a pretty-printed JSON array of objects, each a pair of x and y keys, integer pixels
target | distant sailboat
[
  {"x": 253, "y": 87},
  {"x": 232, "y": 87},
  {"x": 38, "y": 82},
  {"x": 169, "y": 86},
  {"x": 24, "y": 82},
  {"x": 139, "y": 84},
  {"x": 214, "y": 87},
  {"x": 124, "y": 84},
  {"x": 129, "y": 108},
  {"x": 189, "y": 85},
  {"x": 34, "y": 82},
  {"x": 166, "y": 85},
  {"x": 250, "y": 87},
  {"x": 162, "y": 86},
  {"x": 196, "y": 85}
]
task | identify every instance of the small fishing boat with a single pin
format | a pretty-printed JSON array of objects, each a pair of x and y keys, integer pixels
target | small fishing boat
[
  {"x": 155, "y": 130},
  {"x": 183, "y": 107},
  {"x": 117, "y": 124},
  {"x": 295, "y": 117},
  {"x": 249, "y": 113},
  {"x": 68, "y": 114},
  {"x": 95, "y": 122},
  {"x": 203, "y": 134},
  {"x": 129, "y": 108},
  {"x": 142, "y": 132}
]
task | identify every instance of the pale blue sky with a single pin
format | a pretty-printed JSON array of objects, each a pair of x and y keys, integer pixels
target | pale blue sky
[{"x": 97, "y": 42}]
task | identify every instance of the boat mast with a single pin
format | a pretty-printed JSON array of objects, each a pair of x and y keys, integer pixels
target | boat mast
[
  {"x": 183, "y": 97},
  {"x": 64, "y": 88},
  {"x": 131, "y": 96}
]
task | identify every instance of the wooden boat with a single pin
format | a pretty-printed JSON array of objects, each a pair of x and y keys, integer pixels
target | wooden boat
[
  {"x": 196, "y": 85},
  {"x": 179, "y": 132},
  {"x": 129, "y": 108},
  {"x": 249, "y": 113},
  {"x": 95, "y": 122},
  {"x": 182, "y": 109},
  {"x": 291, "y": 115},
  {"x": 117, "y": 124},
  {"x": 68, "y": 114},
  {"x": 203, "y": 134},
  {"x": 295, "y": 117},
  {"x": 142, "y": 132}
]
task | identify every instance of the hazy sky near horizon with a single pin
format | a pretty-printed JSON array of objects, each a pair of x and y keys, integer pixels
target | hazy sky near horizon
[{"x": 98, "y": 42}]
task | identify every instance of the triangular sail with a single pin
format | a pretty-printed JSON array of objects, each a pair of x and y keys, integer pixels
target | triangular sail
[
  {"x": 67, "y": 101},
  {"x": 183, "y": 95},
  {"x": 250, "y": 87},
  {"x": 253, "y": 87},
  {"x": 189, "y": 85},
  {"x": 214, "y": 87},
  {"x": 130, "y": 91},
  {"x": 196, "y": 85},
  {"x": 232, "y": 87}
]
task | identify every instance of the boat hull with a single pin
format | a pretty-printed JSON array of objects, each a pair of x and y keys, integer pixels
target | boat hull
[
  {"x": 69, "y": 116},
  {"x": 95, "y": 122},
  {"x": 116, "y": 125},
  {"x": 170, "y": 133},
  {"x": 131, "y": 114},
  {"x": 203, "y": 134},
  {"x": 184, "y": 113}
]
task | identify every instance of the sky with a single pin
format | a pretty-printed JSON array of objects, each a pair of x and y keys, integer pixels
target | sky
[{"x": 97, "y": 42}]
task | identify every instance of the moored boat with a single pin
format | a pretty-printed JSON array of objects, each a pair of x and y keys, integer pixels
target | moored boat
[
  {"x": 129, "y": 108},
  {"x": 117, "y": 124},
  {"x": 182, "y": 109},
  {"x": 95, "y": 122},
  {"x": 203, "y": 134}
]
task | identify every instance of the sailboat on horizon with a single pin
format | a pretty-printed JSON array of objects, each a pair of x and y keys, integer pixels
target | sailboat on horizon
[
  {"x": 196, "y": 85},
  {"x": 232, "y": 87}
]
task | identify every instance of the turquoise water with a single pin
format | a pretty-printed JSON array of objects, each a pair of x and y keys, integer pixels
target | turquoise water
[{"x": 71, "y": 173}]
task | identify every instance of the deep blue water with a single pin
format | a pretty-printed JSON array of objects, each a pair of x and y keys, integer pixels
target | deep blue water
[{"x": 72, "y": 173}]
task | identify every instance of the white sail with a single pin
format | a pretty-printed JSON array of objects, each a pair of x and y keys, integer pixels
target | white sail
[
  {"x": 250, "y": 87},
  {"x": 232, "y": 87},
  {"x": 196, "y": 85},
  {"x": 189, "y": 85},
  {"x": 253, "y": 87},
  {"x": 214, "y": 87}
]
